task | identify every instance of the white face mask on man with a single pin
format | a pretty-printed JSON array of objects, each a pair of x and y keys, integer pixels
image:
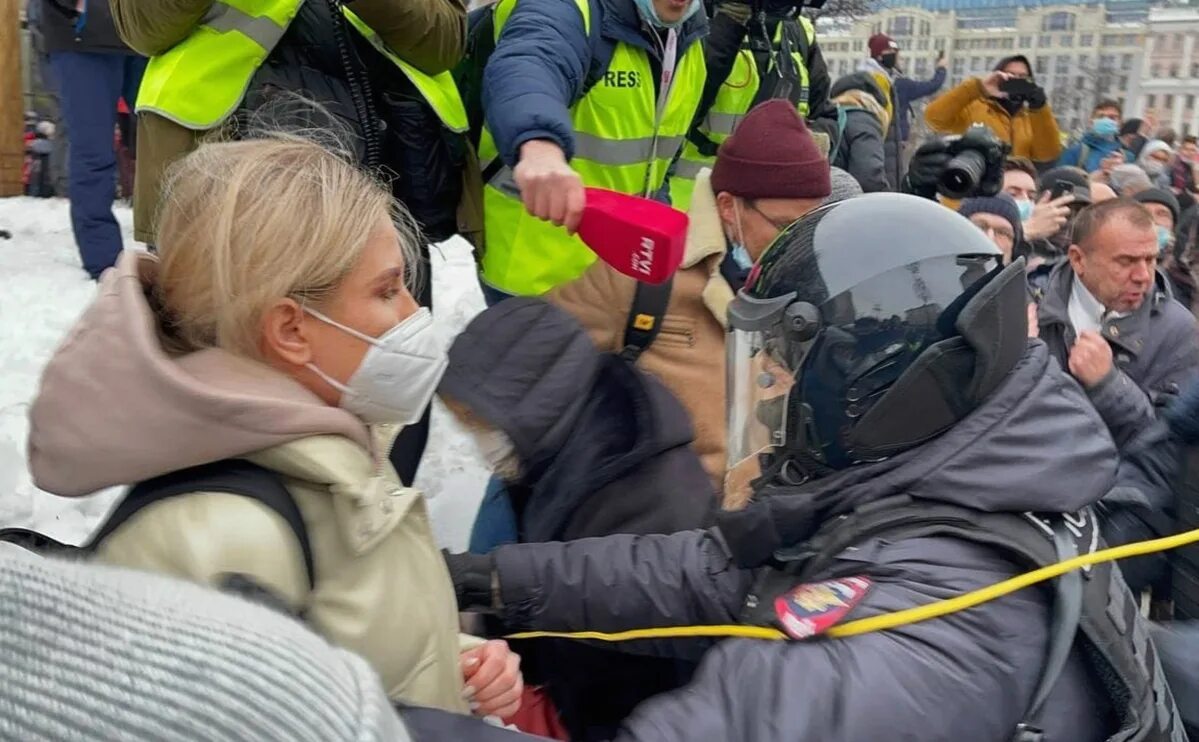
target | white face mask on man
[{"x": 398, "y": 375}]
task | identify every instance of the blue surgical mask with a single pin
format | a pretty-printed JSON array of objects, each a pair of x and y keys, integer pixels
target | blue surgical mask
[
  {"x": 1164, "y": 238},
  {"x": 1104, "y": 127},
  {"x": 741, "y": 256},
  {"x": 646, "y": 8},
  {"x": 1025, "y": 208}
]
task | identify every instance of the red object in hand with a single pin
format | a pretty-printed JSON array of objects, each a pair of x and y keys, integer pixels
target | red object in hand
[{"x": 642, "y": 239}]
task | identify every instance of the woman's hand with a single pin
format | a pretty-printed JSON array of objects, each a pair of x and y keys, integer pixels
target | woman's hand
[{"x": 493, "y": 680}]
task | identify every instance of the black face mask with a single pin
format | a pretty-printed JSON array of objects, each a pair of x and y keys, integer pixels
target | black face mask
[{"x": 888, "y": 60}]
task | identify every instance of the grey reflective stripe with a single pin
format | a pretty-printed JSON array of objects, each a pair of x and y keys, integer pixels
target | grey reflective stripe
[
  {"x": 504, "y": 182},
  {"x": 689, "y": 169},
  {"x": 264, "y": 31},
  {"x": 722, "y": 123},
  {"x": 617, "y": 152}
]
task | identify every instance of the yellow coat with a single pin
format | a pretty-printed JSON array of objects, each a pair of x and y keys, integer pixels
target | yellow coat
[{"x": 1031, "y": 133}]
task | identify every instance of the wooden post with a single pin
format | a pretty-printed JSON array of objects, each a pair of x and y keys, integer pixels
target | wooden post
[{"x": 12, "y": 100}]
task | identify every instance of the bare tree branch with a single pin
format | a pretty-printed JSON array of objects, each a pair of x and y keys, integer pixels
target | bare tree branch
[{"x": 848, "y": 9}]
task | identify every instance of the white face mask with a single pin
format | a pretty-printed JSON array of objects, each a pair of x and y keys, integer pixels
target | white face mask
[{"x": 399, "y": 374}]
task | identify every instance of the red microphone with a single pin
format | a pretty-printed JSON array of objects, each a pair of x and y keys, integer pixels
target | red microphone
[{"x": 642, "y": 239}]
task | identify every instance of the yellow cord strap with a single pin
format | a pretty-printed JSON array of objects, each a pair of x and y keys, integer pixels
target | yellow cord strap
[{"x": 890, "y": 620}]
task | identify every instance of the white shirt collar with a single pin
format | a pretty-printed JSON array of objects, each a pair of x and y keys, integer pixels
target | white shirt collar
[{"x": 1086, "y": 312}]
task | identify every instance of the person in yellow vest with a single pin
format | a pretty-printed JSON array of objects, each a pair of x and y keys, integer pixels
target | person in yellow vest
[
  {"x": 380, "y": 69},
  {"x": 578, "y": 93},
  {"x": 767, "y": 174},
  {"x": 754, "y": 53}
]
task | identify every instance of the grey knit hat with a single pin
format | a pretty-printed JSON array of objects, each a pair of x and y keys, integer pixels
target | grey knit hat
[
  {"x": 844, "y": 186},
  {"x": 100, "y": 653},
  {"x": 1001, "y": 205}
]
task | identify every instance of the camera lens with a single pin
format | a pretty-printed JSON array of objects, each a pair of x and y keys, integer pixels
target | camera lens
[{"x": 963, "y": 174}]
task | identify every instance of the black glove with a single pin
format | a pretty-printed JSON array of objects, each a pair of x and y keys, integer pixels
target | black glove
[
  {"x": 926, "y": 168},
  {"x": 1036, "y": 98},
  {"x": 777, "y": 518},
  {"x": 473, "y": 576}
]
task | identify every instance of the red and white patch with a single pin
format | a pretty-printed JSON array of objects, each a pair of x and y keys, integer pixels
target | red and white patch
[{"x": 812, "y": 608}]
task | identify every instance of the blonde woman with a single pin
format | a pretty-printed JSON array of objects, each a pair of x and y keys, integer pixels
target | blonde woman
[{"x": 274, "y": 327}]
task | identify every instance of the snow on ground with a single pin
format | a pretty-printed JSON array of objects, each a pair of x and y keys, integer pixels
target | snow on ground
[{"x": 43, "y": 289}]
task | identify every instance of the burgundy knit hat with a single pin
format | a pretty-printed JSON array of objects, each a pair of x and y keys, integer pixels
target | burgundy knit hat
[
  {"x": 771, "y": 155},
  {"x": 880, "y": 44}
]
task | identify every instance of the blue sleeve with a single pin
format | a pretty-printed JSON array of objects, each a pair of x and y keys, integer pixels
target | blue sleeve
[
  {"x": 532, "y": 78},
  {"x": 909, "y": 90},
  {"x": 1070, "y": 156}
]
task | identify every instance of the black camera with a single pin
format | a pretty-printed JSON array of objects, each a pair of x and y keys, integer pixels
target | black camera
[{"x": 976, "y": 158}]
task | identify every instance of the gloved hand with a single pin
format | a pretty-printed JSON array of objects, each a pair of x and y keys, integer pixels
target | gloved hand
[
  {"x": 1036, "y": 99},
  {"x": 926, "y": 168},
  {"x": 778, "y": 517},
  {"x": 474, "y": 578}
]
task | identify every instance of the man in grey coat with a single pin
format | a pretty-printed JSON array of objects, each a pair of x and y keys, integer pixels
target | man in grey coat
[
  {"x": 1108, "y": 318},
  {"x": 879, "y": 364}
]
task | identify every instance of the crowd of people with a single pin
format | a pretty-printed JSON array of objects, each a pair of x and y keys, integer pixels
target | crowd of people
[{"x": 862, "y": 391}]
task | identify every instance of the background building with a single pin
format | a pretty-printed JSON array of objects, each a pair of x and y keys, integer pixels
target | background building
[
  {"x": 1168, "y": 80},
  {"x": 1080, "y": 51}
]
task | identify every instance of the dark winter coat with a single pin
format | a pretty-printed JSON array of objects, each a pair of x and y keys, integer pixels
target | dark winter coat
[
  {"x": 726, "y": 37},
  {"x": 606, "y": 449},
  {"x": 861, "y": 149},
  {"x": 907, "y": 92},
  {"x": 545, "y": 59},
  {"x": 969, "y": 675},
  {"x": 64, "y": 31},
  {"x": 1156, "y": 351}
]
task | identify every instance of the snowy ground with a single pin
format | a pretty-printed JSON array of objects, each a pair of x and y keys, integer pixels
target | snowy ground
[{"x": 42, "y": 291}]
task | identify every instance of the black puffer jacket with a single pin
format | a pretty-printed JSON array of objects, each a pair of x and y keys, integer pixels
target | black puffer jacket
[
  {"x": 965, "y": 676},
  {"x": 324, "y": 59},
  {"x": 606, "y": 449}
]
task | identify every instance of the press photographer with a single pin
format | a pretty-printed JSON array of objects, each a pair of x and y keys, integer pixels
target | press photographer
[
  {"x": 1010, "y": 103},
  {"x": 755, "y": 51},
  {"x": 958, "y": 167}
]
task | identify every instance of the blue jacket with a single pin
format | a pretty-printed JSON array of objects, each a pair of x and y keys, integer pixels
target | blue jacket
[
  {"x": 545, "y": 59},
  {"x": 1097, "y": 149},
  {"x": 908, "y": 91}
]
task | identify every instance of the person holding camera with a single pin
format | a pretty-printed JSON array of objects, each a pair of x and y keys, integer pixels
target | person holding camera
[
  {"x": 755, "y": 51},
  {"x": 1010, "y": 103}
]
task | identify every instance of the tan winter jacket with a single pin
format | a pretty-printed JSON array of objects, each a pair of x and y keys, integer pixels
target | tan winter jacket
[
  {"x": 688, "y": 354},
  {"x": 115, "y": 408}
]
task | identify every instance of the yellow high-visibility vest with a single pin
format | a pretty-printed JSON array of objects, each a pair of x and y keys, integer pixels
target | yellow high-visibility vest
[
  {"x": 733, "y": 100},
  {"x": 620, "y": 144},
  {"x": 200, "y": 82}
]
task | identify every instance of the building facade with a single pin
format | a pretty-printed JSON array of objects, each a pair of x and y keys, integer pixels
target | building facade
[
  {"x": 1081, "y": 52},
  {"x": 1167, "y": 85}
]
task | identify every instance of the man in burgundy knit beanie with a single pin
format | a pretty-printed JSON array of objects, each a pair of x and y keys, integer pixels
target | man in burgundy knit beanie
[{"x": 767, "y": 174}]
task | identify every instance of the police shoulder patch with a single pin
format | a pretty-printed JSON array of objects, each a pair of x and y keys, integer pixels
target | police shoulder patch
[{"x": 812, "y": 608}]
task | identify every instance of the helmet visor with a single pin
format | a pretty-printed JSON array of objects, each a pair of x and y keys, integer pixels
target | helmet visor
[{"x": 762, "y": 370}]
